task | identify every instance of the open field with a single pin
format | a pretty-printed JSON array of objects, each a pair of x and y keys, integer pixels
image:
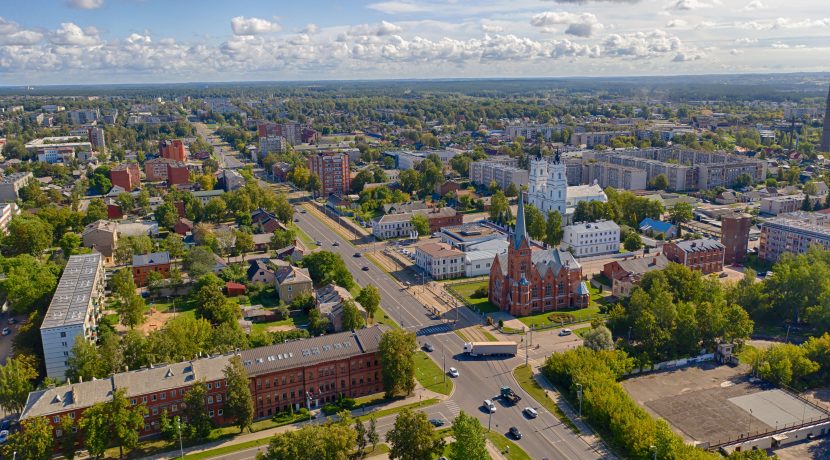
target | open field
[{"x": 466, "y": 291}]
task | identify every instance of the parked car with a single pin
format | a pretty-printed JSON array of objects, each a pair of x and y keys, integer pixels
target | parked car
[
  {"x": 723, "y": 275},
  {"x": 365, "y": 268},
  {"x": 436, "y": 422},
  {"x": 515, "y": 433},
  {"x": 357, "y": 254},
  {"x": 12, "y": 320},
  {"x": 565, "y": 331},
  {"x": 318, "y": 243},
  {"x": 428, "y": 347},
  {"x": 489, "y": 406},
  {"x": 335, "y": 244},
  {"x": 531, "y": 412},
  {"x": 453, "y": 372},
  {"x": 6, "y": 331}
]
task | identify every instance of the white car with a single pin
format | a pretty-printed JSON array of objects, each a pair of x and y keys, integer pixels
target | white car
[
  {"x": 489, "y": 406},
  {"x": 531, "y": 412},
  {"x": 565, "y": 332},
  {"x": 453, "y": 372}
]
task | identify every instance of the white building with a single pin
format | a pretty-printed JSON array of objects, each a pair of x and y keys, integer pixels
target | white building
[
  {"x": 776, "y": 205},
  {"x": 793, "y": 233},
  {"x": 7, "y": 211},
  {"x": 592, "y": 239},
  {"x": 54, "y": 155},
  {"x": 579, "y": 193},
  {"x": 276, "y": 144},
  {"x": 233, "y": 180},
  {"x": 11, "y": 184},
  {"x": 503, "y": 172},
  {"x": 73, "y": 312},
  {"x": 479, "y": 257},
  {"x": 393, "y": 226},
  {"x": 548, "y": 187},
  {"x": 440, "y": 260}
]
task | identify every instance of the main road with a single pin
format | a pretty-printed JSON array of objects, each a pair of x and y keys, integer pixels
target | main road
[{"x": 480, "y": 379}]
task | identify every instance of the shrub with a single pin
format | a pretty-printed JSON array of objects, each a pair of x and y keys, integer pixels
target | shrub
[
  {"x": 561, "y": 318},
  {"x": 480, "y": 293}
]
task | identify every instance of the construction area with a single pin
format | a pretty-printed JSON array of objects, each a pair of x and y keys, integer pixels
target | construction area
[{"x": 711, "y": 404}]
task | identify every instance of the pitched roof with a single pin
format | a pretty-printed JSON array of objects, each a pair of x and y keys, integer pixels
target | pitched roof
[
  {"x": 657, "y": 225},
  {"x": 702, "y": 244},
  {"x": 255, "y": 265},
  {"x": 645, "y": 264},
  {"x": 292, "y": 275},
  {"x": 553, "y": 259},
  {"x": 520, "y": 233},
  {"x": 154, "y": 258}
]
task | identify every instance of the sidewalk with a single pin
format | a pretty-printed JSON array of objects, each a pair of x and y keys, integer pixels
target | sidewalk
[{"x": 419, "y": 394}]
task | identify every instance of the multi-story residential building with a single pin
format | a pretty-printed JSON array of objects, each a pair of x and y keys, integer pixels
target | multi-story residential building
[
  {"x": 290, "y": 131},
  {"x": 145, "y": 264},
  {"x": 793, "y": 233},
  {"x": 292, "y": 281},
  {"x": 531, "y": 280},
  {"x": 126, "y": 176},
  {"x": 172, "y": 150},
  {"x": 783, "y": 204},
  {"x": 156, "y": 169},
  {"x": 407, "y": 159},
  {"x": 611, "y": 175},
  {"x": 7, "y": 212},
  {"x": 269, "y": 144},
  {"x": 441, "y": 217},
  {"x": 735, "y": 236},
  {"x": 56, "y": 154},
  {"x": 102, "y": 236},
  {"x": 393, "y": 226},
  {"x": 177, "y": 173},
  {"x": 503, "y": 171},
  {"x": 590, "y": 140},
  {"x": 74, "y": 311},
  {"x": 592, "y": 239},
  {"x": 333, "y": 170},
  {"x": 626, "y": 274},
  {"x": 11, "y": 184},
  {"x": 440, "y": 260},
  {"x": 83, "y": 116},
  {"x": 532, "y": 131},
  {"x": 233, "y": 179},
  {"x": 96, "y": 137},
  {"x": 703, "y": 254}
]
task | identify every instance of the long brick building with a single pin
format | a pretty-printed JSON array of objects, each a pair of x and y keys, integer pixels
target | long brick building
[
  {"x": 530, "y": 280},
  {"x": 301, "y": 373}
]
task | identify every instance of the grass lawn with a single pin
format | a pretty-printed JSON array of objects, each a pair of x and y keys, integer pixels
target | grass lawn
[
  {"x": 466, "y": 290},
  {"x": 581, "y": 331},
  {"x": 297, "y": 319},
  {"x": 267, "y": 297},
  {"x": 395, "y": 410},
  {"x": 582, "y": 314},
  {"x": 430, "y": 375},
  {"x": 487, "y": 334},
  {"x": 228, "y": 449},
  {"x": 524, "y": 375},
  {"x": 502, "y": 443}
]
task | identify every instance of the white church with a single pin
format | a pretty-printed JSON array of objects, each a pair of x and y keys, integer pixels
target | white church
[{"x": 548, "y": 188}]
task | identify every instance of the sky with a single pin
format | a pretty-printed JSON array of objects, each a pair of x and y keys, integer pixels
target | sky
[{"x": 156, "y": 41}]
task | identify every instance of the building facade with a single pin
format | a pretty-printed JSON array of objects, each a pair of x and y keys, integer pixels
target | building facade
[
  {"x": 333, "y": 170},
  {"x": 155, "y": 170},
  {"x": 102, "y": 236},
  {"x": 776, "y": 205},
  {"x": 504, "y": 172},
  {"x": 611, "y": 175},
  {"x": 172, "y": 150},
  {"x": 590, "y": 140},
  {"x": 794, "y": 234},
  {"x": 11, "y": 184},
  {"x": 73, "y": 312},
  {"x": 528, "y": 280},
  {"x": 548, "y": 184},
  {"x": 440, "y": 260},
  {"x": 177, "y": 173},
  {"x": 735, "y": 236},
  {"x": 145, "y": 264},
  {"x": 7, "y": 212},
  {"x": 592, "y": 239},
  {"x": 126, "y": 176},
  {"x": 626, "y": 274},
  {"x": 703, "y": 254},
  {"x": 55, "y": 154}
]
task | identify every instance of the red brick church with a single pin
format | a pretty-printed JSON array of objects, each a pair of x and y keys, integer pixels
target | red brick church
[{"x": 530, "y": 280}]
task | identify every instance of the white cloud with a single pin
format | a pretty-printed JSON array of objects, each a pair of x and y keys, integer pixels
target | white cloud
[
  {"x": 735, "y": 52},
  {"x": 488, "y": 27},
  {"x": 86, "y": 4},
  {"x": 641, "y": 45},
  {"x": 676, "y": 23},
  {"x": 387, "y": 28},
  {"x": 596, "y": 1},
  {"x": 70, "y": 34},
  {"x": 687, "y": 56},
  {"x": 253, "y": 26},
  {"x": 688, "y": 5},
  {"x": 12, "y": 34},
  {"x": 779, "y": 45},
  {"x": 755, "y": 5},
  {"x": 746, "y": 40},
  {"x": 397, "y": 7},
  {"x": 580, "y": 25},
  {"x": 784, "y": 23},
  {"x": 309, "y": 29}
]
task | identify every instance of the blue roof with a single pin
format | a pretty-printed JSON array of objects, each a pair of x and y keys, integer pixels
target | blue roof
[{"x": 657, "y": 225}]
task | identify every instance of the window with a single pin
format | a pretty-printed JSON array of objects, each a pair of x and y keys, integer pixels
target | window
[
  {"x": 221, "y": 412},
  {"x": 56, "y": 419},
  {"x": 164, "y": 396},
  {"x": 63, "y": 334},
  {"x": 210, "y": 399},
  {"x": 155, "y": 411},
  {"x": 218, "y": 398},
  {"x": 153, "y": 397},
  {"x": 174, "y": 408},
  {"x": 65, "y": 344},
  {"x": 210, "y": 413},
  {"x": 210, "y": 386},
  {"x": 144, "y": 399},
  {"x": 72, "y": 415}
]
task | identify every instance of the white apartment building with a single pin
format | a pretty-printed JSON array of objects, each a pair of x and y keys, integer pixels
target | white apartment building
[
  {"x": 7, "y": 211},
  {"x": 11, "y": 184},
  {"x": 531, "y": 131},
  {"x": 440, "y": 260},
  {"x": 276, "y": 144},
  {"x": 592, "y": 239},
  {"x": 394, "y": 226},
  {"x": 776, "y": 205},
  {"x": 504, "y": 172},
  {"x": 793, "y": 233},
  {"x": 73, "y": 312}
]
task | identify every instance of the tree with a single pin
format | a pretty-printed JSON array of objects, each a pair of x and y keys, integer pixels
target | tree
[
  {"x": 198, "y": 421},
  {"x": 784, "y": 364},
  {"x": 553, "y": 229},
  {"x": 239, "y": 404},
  {"x": 397, "y": 356},
  {"x": 166, "y": 215},
  {"x": 130, "y": 305},
  {"x": 283, "y": 238},
  {"x": 115, "y": 421},
  {"x": 372, "y": 434},
  {"x": 680, "y": 213},
  {"x": 34, "y": 441},
  {"x": 511, "y": 190},
  {"x": 410, "y": 180},
  {"x": 314, "y": 185},
  {"x": 283, "y": 209},
  {"x": 660, "y": 182},
  {"x": 68, "y": 437},
  {"x": 126, "y": 202},
  {"x": 352, "y": 317},
  {"x": 535, "y": 220},
  {"x": 421, "y": 224},
  {"x": 244, "y": 242},
  {"x": 96, "y": 211},
  {"x": 599, "y": 338},
  {"x": 470, "y": 439},
  {"x": 27, "y": 234},
  {"x": 84, "y": 361},
  {"x": 170, "y": 427},
  {"x": 413, "y": 437},
  {"x": 360, "y": 431},
  {"x": 330, "y": 441},
  {"x": 16, "y": 379},
  {"x": 499, "y": 208},
  {"x": 29, "y": 283},
  {"x": 300, "y": 176},
  {"x": 69, "y": 242},
  {"x": 632, "y": 241},
  {"x": 199, "y": 261},
  {"x": 215, "y": 209},
  {"x": 326, "y": 267},
  {"x": 369, "y": 298}
]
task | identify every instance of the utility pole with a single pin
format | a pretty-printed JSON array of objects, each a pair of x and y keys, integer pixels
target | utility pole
[
  {"x": 179, "y": 429},
  {"x": 579, "y": 396},
  {"x": 444, "y": 359},
  {"x": 489, "y": 416},
  {"x": 527, "y": 353},
  {"x": 653, "y": 449}
]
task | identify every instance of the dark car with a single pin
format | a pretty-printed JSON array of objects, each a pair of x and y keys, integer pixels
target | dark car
[
  {"x": 335, "y": 244},
  {"x": 365, "y": 268},
  {"x": 436, "y": 422},
  {"x": 428, "y": 347},
  {"x": 515, "y": 433},
  {"x": 357, "y": 254}
]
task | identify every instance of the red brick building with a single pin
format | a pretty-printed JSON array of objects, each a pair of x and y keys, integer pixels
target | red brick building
[
  {"x": 704, "y": 254},
  {"x": 294, "y": 374},
  {"x": 333, "y": 170},
  {"x": 146, "y": 263},
  {"x": 172, "y": 150},
  {"x": 529, "y": 280},
  {"x": 735, "y": 236},
  {"x": 126, "y": 176},
  {"x": 177, "y": 173},
  {"x": 441, "y": 217}
]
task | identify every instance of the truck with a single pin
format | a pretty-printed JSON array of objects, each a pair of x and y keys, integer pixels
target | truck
[
  {"x": 509, "y": 396},
  {"x": 491, "y": 348}
]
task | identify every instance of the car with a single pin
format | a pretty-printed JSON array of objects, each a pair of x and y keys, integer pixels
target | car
[
  {"x": 453, "y": 372},
  {"x": 302, "y": 211},
  {"x": 436, "y": 422},
  {"x": 296, "y": 220},
  {"x": 565, "y": 332},
  {"x": 12, "y": 320},
  {"x": 4, "y": 436},
  {"x": 428, "y": 347},
  {"x": 335, "y": 244},
  {"x": 357, "y": 254},
  {"x": 723, "y": 275},
  {"x": 318, "y": 243},
  {"x": 515, "y": 433},
  {"x": 365, "y": 268},
  {"x": 6, "y": 331},
  {"x": 489, "y": 406},
  {"x": 531, "y": 412}
]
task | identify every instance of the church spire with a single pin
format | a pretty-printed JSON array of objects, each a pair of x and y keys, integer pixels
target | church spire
[{"x": 520, "y": 232}]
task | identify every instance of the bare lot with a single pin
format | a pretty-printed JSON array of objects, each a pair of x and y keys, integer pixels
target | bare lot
[{"x": 710, "y": 403}]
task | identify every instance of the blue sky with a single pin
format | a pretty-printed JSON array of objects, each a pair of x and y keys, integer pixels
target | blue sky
[{"x": 113, "y": 41}]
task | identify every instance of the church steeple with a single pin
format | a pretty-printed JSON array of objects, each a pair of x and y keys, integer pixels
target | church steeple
[{"x": 520, "y": 232}]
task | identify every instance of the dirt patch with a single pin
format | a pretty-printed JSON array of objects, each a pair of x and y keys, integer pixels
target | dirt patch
[
  {"x": 153, "y": 320},
  {"x": 284, "y": 327}
]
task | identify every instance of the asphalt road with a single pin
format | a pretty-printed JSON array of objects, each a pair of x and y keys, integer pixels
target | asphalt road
[{"x": 480, "y": 379}]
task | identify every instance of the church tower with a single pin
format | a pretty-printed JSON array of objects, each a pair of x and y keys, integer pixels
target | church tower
[
  {"x": 537, "y": 182},
  {"x": 519, "y": 262},
  {"x": 557, "y": 186}
]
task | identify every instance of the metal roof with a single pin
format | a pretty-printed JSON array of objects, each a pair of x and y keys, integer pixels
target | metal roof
[
  {"x": 71, "y": 300},
  {"x": 153, "y": 258}
]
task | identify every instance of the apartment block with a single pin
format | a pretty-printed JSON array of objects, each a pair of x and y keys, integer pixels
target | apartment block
[
  {"x": 607, "y": 174},
  {"x": 793, "y": 233},
  {"x": 596, "y": 138},
  {"x": 504, "y": 172},
  {"x": 156, "y": 169},
  {"x": 532, "y": 131},
  {"x": 703, "y": 254},
  {"x": 172, "y": 150},
  {"x": 11, "y": 184},
  {"x": 83, "y": 116},
  {"x": 7, "y": 212},
  {"x": 126, "y": 176},
  {"x": 333, "y": 170},
  {"x": 177, "y": 173},
  {"x": 74, "y": 311},
  {"x": 776, "y": 205}
]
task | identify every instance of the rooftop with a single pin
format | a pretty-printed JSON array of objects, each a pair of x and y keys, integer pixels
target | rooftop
[
  {"x": 71, "y": 300},
  {"x": 439, "y": 250},
  {"x": 153, "y": 258},
  {"x": 702, "y": 244}
]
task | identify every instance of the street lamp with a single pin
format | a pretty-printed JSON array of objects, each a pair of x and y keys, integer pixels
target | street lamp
[
  {"x": 179, "y": 429},
  {"x": 489, "y": 417},
  {"x": 653, "y": 449},
  {"x": 579, "y": 396}
]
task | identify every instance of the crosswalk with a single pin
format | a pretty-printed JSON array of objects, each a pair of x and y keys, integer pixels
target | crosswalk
[
  {"x": 437, "y": 329},
  {"x": 452, "y": 409}
]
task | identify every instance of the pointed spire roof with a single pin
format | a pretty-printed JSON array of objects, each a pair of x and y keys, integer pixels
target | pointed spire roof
[{"x": 520, "y": 232}]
